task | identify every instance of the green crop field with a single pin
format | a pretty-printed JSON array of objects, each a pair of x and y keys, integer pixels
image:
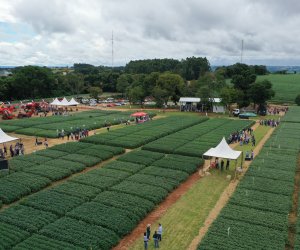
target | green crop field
[
  {"x": 96, "y": 209},
  {"x": 286, "y": 87}
]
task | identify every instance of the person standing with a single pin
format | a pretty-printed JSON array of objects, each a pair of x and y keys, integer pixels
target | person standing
[
  {"x": 155, "y": 238},
  {"x": 145, "y": 241},
  {"x": 252, "y": 154},
  {"x": 5, "y": 149},
  {"x": 46, "y": 143},
  {"x": 11, "y": 151},
  {"x": 159, "y": 231},
  {"x": 148, "y": 231},
  {"x": 222, "y": 165},
  {"x": 227, "y": 164}
]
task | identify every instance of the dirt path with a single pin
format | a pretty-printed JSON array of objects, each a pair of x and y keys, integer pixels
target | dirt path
[
  {"x": 294, "y": 210},
  {"x": 226, "y": 195},
  {"x": 157, "y": 213},
  {"x": 151, "y": 218}
]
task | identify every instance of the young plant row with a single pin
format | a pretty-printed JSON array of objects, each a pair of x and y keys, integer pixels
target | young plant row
[
  {"x": 96, "y": 209},
  {"x": 256, "y": 217},
  {"x": 136, "y": 136},
  {"x": 31, "y": 173},
  {"x": 194, "y": 141},
  {"x": 48, "y": 126}
]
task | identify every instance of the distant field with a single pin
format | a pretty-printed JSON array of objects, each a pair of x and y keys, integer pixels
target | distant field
[{"x": 286, "y": 87}]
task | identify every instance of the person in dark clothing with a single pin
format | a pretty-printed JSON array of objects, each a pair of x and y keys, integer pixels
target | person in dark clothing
[
  {"x": 11, "y": 151},
  {"x": 227, "y": 164},
  {"x": 148, "y": 231},
  {"x": 222, "y": 165},
  {"x": 145, "y": 241},
  {"x": 156, "y": 238}
]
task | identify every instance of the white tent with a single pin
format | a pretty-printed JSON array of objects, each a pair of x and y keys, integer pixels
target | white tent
[
  {"x": 6, "y": 138},
  {"x": 73, "y": 102},
  {"x": 64, "y": 102},
  {"x": 223, "y": 151},
  {"x": 55, "y": 102}
]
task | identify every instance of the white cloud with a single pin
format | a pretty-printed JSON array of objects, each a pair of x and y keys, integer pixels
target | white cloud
[{"x": 69, "y": 31}]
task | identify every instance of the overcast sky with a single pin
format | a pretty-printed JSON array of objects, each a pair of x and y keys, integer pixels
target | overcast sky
[{"x": 63, "y": 32}]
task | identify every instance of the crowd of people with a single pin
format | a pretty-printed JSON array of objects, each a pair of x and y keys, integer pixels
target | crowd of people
[
  {"x": 157, "y": 236},
  {"x": 270, "y": 122},
  {"x": 14, "y": 150},
  {"x": 244, "y": 136},
  {"x": 77, "y": 134},
  {"x": 277, "y": 110}
]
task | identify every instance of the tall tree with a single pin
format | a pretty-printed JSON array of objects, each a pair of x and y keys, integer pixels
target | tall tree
[{"x": 260, "y": 92}]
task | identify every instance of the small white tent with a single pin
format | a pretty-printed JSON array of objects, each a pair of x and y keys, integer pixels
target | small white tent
[
  {"x": 55, "y": 102},
  {"x": 73, "y": 102},
  {"x": 64, "y": 102},
  {"x": 223, "y": 150},
  {"x": 6, "y": 138}
]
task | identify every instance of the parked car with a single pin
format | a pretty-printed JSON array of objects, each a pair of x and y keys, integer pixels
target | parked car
[{"x": 236, "y": 112}]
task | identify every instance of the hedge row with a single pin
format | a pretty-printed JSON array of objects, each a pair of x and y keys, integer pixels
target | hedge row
[{"x": 257, "y": 214}]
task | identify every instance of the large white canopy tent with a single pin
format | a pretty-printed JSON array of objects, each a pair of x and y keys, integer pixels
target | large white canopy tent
[
  {"x": 223, "y": 150},
  {"x": 5, "y": 137}
]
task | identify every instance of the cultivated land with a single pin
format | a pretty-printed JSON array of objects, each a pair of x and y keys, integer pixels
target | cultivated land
[
  {"x": 286, "y": 87},
  {"x": 97, "y": 208}
]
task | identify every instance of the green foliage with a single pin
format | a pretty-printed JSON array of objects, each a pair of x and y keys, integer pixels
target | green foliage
[
  {"x": 141, "y": 157},
  {"x": 260, "y": 92},
  {"x": 70, "y": 165},
  {"x": 80, "y": 234},
  {"x": 37, "y": 242},
  {"x": 11, "y": 235},
  {"x": 151, "y": 193},
  {"x": 27, "y": 218},
  {"x": 116, "y": 219},
  {"x": 293, "y": 115},
  {"x": 95, "y": 92},
  {"x": 257, "y": 213},
  {"x": 87, "y": 160},
  {"x": 50, "y": 152},
  {"x": 110, "y": 172},
  {"x": 164, "y": 172},
  {"x": 286, "y": 87},
  {"x": 102, "y": 182},
  {"x": 54, "y": 202},
  {"x": 50, "y": 126},
  {"x": 10, "y": 191},
  {"x": 52, "y": 173},
  {"x": 135, "y": 204},
  {"x": 124, "y": 166},
  {"x": 82, "y": 191}
]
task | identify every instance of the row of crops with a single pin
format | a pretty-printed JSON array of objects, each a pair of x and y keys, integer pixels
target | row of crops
[
  {"x": 31, "y": 173},
  {"x": 256, "y": 217},
  {"x": 38, "y": 170},
  {"x": 48, "y": 126},
  {"x": 196, "y": 140},
  {"x": 136, "y": 136},
  {"x": 96, "y": 209}
]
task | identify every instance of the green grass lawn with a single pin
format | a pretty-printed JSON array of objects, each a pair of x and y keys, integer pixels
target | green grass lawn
[
  {"x": 182, "y": 221},
  {"x": 286, "y": 87}
]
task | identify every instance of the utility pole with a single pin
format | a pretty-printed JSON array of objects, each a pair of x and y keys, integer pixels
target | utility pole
[
  {"x": 112, "y": 50},
  {"x": 242, "y": 50}
]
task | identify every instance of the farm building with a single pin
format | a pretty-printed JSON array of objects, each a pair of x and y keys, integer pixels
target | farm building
[{"x": 194, "y": 104}]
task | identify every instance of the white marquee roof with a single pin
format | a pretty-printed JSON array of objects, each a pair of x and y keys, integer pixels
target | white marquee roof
[
  {"x": 73, "y": 102},
  {"x": 55, "y": 102},
  {"x": 64, "y": 102},
  {"x": 6, "y": 138},
  {"x": 223, "y": 151},
  {"x": 196, "y": 99}
]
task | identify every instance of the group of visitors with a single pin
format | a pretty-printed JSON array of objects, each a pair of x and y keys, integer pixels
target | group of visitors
[
  {"x": 17, "y": 149},
  {"x": 244, "y": 136},
  {"x": 270, "y": 122},
  {"x": 77, "y": 134},
  {"x": 220, "y": 164},
  {"x": 157, "y": 236},
  {"x": 277, "y": 110}
]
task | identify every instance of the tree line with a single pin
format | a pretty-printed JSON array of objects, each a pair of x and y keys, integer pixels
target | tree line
[{"x": 163, "y": 79}]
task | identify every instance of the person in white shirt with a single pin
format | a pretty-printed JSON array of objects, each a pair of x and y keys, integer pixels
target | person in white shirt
[
  {"x": 159, "y": 231},
  {"x": 145, "y": 241}
]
